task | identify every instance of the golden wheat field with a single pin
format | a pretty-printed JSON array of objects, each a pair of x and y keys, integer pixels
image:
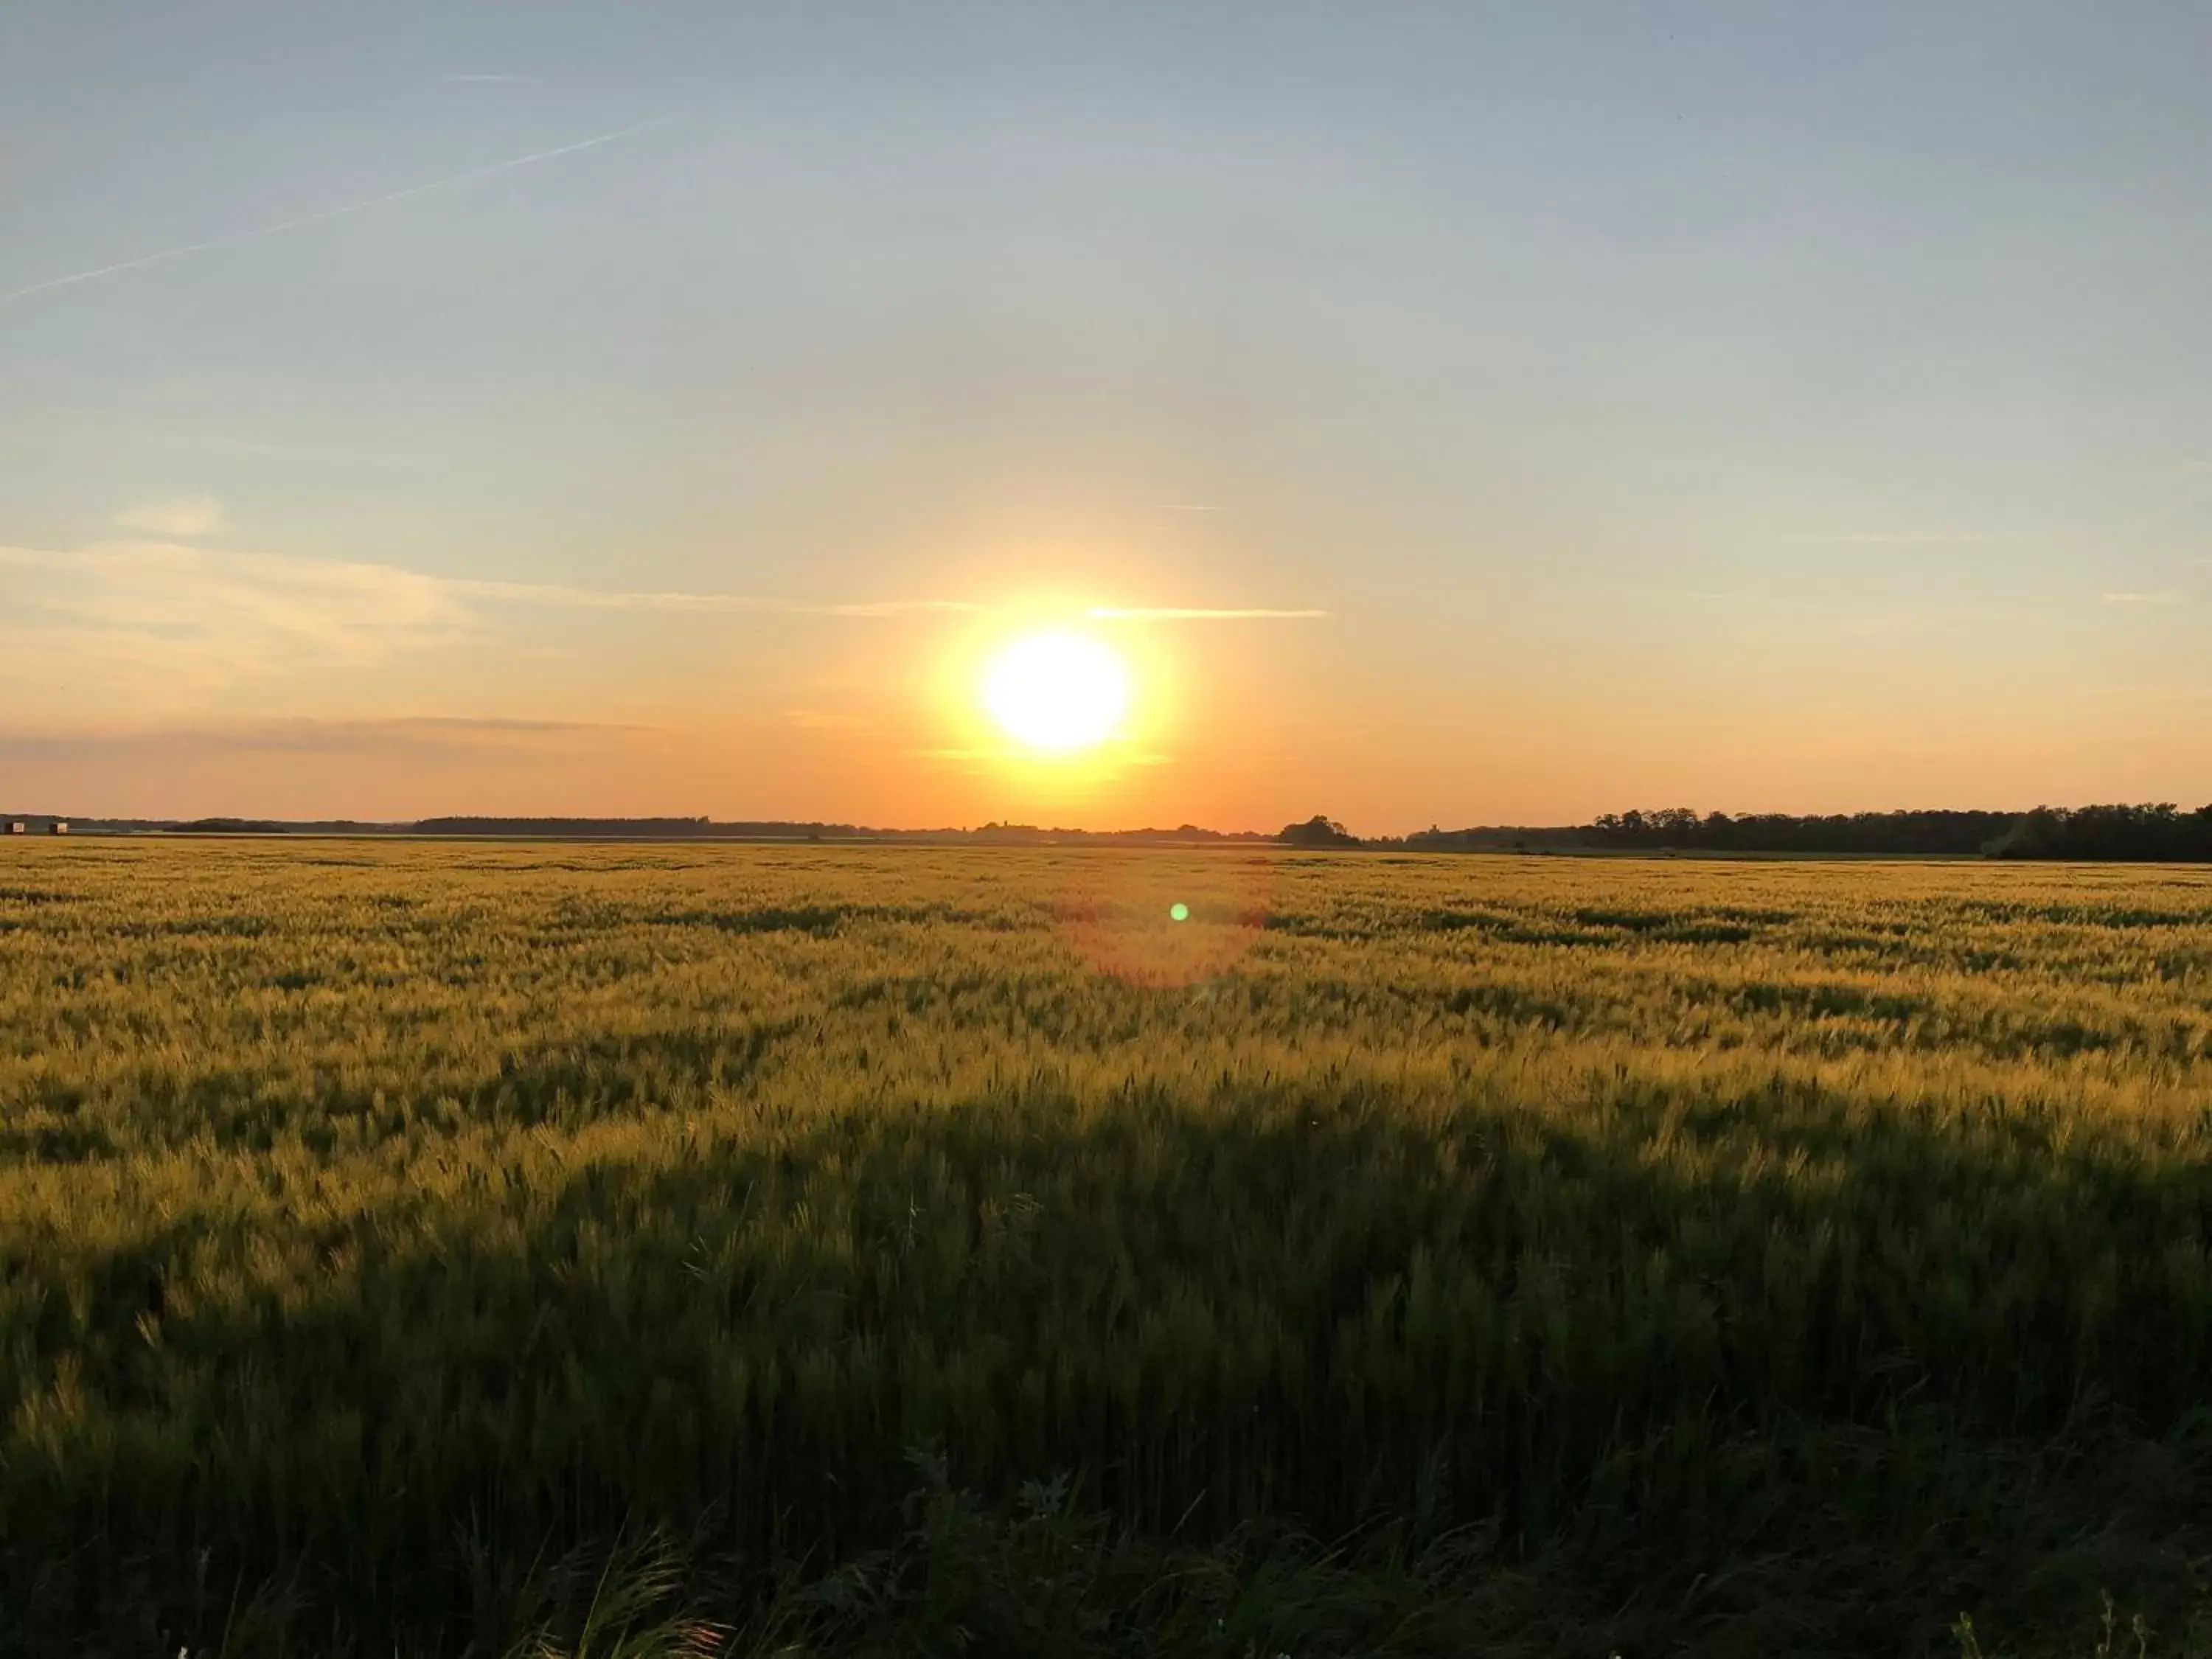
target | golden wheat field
[{"x": 1690, "y": 1256}]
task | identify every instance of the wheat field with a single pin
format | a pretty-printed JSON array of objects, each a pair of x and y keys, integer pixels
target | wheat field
[{"x": 1567, "y": 1255}]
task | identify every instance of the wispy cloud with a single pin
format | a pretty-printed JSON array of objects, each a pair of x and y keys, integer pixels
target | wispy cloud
[
  {"x": 593, "y": 598},
  {"x": 1779, "y": 617},
  {"x": 136, "y": 620},
  {"x": 1910, "y": 537},
  {"x": 318, "y": 736},
  {"x": 438, "y": 731},
  {"x": 487, "y": 723},
  {"x": 1793, "y": 601},
  {"x": 326, "y": 214},
  {"x": 215, "y": 441},
  {"x": 2203, "y": 466},
  {"x": 156, "y": 618},
  {"x": 1192, "y": 613},
  {"x": 192, "y": 515},
  {"x": 2163, "y": 596},
  {"x": 159, "y": 624}
]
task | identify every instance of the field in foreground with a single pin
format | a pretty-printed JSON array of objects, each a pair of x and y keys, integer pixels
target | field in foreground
[{"x": 436, "y": 1249}]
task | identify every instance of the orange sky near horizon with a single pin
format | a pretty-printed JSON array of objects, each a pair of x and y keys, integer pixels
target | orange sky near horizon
[{"x": 1238, "y": 722}]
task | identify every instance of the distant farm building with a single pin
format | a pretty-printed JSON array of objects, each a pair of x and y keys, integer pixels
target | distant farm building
[
  {"x": 60, "y": 827},
  {"x": 16, "y": 826}
]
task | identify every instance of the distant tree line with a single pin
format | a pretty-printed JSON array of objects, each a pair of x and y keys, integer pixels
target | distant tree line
[
  {"x": 1020, "y": 835},
  {"x": 627, "y": 829},
  {"x": 2162, "y": 832},
  {"x": 2157, "y": 832},
  {"x": 2152, "y": 832},
  {"x": 993, "y": 834},
  {"x": 1677, "y": 828}
]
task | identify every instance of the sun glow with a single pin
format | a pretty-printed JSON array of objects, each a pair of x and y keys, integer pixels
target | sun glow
[{"x": 1057, "y": 692}]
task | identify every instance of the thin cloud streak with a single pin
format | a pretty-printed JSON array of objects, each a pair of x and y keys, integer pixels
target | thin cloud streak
[
  {"x": 592, "y": 598},
  {"x": 127, "y": 561},
  {"x": 487, "y": 723},
  {"x": 1796, "y": 602},
  {"x": 2164, "y": 596},
  {"x": 160, "y": 618},
  {"x": 133, "y": 626},
  {"x": 319, "y": 735},
  {"x": 329, "y": 213},
  {"x": 1914, "y": 537},
  {"x": 130, "y": 563},
  {"x": 1860, "y": 616},
  {"x": 1188, "y": 613},
  {"x": 193, "y": 516}
]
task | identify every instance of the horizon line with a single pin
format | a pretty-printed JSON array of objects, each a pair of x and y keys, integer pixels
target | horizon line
[{"x": 752, "y": 828}]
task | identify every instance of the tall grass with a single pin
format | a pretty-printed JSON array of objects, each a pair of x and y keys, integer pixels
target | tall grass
[{"x": 1745, "y": 1255}]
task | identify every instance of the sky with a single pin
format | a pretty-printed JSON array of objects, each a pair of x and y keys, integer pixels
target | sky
[{"x": 670, "y": 408}]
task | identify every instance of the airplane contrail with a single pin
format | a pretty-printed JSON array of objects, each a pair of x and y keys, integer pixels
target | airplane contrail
[{"x": 328, "y": 214}]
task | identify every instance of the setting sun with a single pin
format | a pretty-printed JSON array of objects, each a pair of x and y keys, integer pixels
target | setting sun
[{"x": 1057, "y": 692}]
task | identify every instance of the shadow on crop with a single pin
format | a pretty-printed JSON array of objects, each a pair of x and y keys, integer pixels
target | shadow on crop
[{"x": 1765, "y": 1368}]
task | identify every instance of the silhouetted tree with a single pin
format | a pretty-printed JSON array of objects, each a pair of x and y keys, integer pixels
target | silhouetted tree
[{"x": 1317, "y": 831}]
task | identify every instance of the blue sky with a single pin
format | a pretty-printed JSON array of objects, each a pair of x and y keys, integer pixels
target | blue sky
[{"x": 1743, "y": 406}]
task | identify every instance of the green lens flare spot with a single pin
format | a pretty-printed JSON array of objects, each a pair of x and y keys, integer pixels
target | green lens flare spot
[{"x": 1179, "y": 912}]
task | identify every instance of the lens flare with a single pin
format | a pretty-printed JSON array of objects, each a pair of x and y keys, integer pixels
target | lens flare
[{"x": 1161, "y": 919}]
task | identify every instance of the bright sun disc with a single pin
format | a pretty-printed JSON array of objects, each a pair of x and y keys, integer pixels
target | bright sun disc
[{"x": 1057, "y": 691}]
